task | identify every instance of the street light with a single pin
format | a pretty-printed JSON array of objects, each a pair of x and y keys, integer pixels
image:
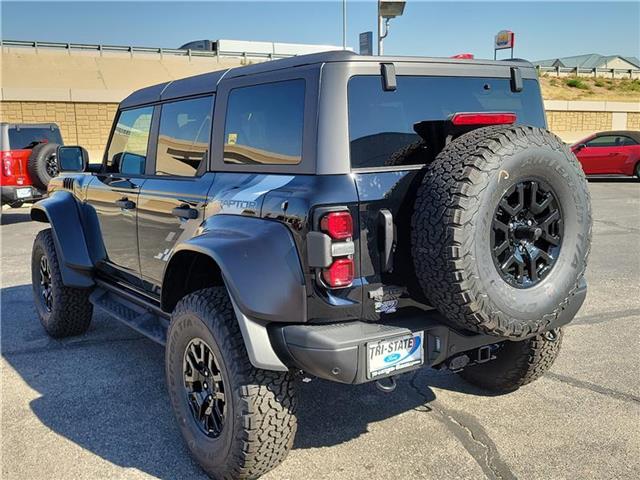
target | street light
[{"x": 387, "y": 9}]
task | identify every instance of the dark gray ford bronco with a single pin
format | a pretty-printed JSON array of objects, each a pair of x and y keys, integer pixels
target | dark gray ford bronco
[{"x": 350, "y": 217}]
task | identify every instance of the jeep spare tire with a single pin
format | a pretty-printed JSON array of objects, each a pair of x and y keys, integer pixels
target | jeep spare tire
[
  {"x": 42, "y": 164},
  {"x": 501, "y": 230}
]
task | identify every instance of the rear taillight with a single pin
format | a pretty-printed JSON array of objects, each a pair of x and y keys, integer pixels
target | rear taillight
[
  {"x": 490, "y": 118},
  {"x": 339, "y": 225},
  {"x": 340, "y": 273},
  {"x": 7, "y": 164}
]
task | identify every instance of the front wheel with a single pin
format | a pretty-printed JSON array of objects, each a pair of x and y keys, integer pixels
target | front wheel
[
  {"x": 517, "y": 363},
  {"x": 63, "y": 311},
  {"x": 238, "y": 421}
]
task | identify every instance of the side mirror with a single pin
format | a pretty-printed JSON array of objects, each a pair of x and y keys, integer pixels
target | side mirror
[
  {"x": 132, "y": 164},
  {"x": 580, "y": 147},
  {"x": 72, "y": 159}
]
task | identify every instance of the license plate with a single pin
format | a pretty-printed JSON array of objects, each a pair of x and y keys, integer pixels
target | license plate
[
  {"x": 23, "y": 192},
  {"x": 387, "y": 356}
]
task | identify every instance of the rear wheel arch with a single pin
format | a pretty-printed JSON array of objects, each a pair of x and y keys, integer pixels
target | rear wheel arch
[{"x": 187, "y": 272}]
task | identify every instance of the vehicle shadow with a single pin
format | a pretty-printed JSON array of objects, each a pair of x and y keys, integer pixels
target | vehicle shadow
[
  {"x": 9, "y": 217},
  {"x": 105, "y": 392}
]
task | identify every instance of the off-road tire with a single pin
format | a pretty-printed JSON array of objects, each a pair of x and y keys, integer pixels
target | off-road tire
[
  {"x": 517, "y": 363},
  {"x": 451, "y": 230},
  {"x": 260, "y": 423},
  {"x": 37, "y": 164},
  {"x": 70, "y": 312}
]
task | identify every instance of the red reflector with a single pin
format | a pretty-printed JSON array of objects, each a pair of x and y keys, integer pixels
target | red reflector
[
  {"x": 339, "y": 274},
  {"x": 483, "y": 118},
  {"x": 338, "y": 225}
]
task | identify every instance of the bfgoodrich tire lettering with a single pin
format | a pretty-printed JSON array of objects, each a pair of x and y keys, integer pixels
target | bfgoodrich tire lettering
[
  {"x": 63, "y": 311},
  {"x": 259, "y": 423},
  {"x": 451, "y": 229}
]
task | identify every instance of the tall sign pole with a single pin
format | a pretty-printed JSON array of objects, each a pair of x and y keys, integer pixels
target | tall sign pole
[{"x": 344, "y": 24}]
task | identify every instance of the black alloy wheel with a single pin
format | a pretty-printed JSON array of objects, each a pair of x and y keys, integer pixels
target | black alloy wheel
[
  {"x": 51, "y": 165},
  {"x": 204, "y": 387},
  {"x": 526, "y": 233},
  {"x": 46, "y": 289}
]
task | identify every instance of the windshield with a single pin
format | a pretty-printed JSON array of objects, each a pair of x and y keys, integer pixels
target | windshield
[
  {"x": 381, "y": 123},
  {"x": 29, "y": 137}
]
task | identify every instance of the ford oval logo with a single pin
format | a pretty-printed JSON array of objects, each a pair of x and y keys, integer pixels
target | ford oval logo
[{"x": 391, "y": 358}]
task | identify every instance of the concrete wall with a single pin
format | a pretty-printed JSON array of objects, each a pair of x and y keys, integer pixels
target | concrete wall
[
  {"x": 80, "y": 90},
  {"x": 89, "y": 124},
  {"x": 574, "y": 120},
  {"x": 86, "y": 124}
]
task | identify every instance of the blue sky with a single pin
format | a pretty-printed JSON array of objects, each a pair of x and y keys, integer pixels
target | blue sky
[{"x": 543, "y": 29}]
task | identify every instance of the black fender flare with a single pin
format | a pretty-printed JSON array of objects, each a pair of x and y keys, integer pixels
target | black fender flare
[
  {"x": 259, "y": 263},
  {"x": 61, "y": 211}
]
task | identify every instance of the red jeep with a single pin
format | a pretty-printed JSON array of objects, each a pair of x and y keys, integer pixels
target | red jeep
[{"x": 28, "y": 153}]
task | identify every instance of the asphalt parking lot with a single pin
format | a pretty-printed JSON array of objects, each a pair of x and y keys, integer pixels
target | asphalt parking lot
[{"x": 95, "y": 406}]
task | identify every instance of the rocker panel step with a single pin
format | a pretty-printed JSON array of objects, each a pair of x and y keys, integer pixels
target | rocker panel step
[{"x": 131, "y": 314}]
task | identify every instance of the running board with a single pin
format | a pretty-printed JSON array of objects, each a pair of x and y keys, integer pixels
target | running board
[{"x": 131, "y": 314}]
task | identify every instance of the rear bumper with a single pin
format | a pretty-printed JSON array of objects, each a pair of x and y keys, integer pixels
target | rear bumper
[
  {"x": 338, "y": 351},
  {"x": 10, "y": 194}
]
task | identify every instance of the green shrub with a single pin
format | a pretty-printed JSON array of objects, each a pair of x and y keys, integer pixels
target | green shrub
[
  {"x": 630, "y": 85},
  {"x": 576, "y": 83},
  {"x": 599, "y": 83}
]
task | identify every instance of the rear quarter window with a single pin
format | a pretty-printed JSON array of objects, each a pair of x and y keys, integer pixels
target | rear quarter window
[
  {"x": 265, "y": 123},
  {"x": 381, "y": 123}
]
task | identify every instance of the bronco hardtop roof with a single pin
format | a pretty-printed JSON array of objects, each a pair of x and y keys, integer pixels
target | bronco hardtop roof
[{"x": 208, "y": 82}]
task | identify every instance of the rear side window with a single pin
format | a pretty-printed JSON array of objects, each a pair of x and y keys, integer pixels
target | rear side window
[
  {"x": 127, "y": 152},
  {"x": 381, "y": 123},
  {"x": 264, "y": 124},
  {"x": 610, "y": 141},
  {"x": 28, "y": 137},
  {"x": 183, "y": 139}
]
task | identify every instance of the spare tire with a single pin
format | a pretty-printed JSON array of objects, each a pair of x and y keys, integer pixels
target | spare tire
[
  {"x": 43, "y": 165},
  {"x": 501, "y": 230}
]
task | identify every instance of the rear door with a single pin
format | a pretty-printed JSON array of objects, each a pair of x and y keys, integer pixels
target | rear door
[
  {"x": 388, "y": 156},
  {"x": 172, "y": 200},
  {"x": 115, "y": 190}
]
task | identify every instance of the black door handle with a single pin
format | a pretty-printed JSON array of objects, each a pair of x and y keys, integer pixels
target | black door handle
[
  {"x": 185, "y": 211},
  {"x": 125, "y": 204}
]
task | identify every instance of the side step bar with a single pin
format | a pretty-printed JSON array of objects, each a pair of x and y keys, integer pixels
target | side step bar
[{"x": 142, "y": 318}]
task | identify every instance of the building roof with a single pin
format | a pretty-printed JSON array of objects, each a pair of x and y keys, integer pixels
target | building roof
[{"x": 589, "y": 60}]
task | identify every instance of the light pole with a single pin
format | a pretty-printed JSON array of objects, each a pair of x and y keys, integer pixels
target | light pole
[
  {"x": 387, "y": 9},
  {"x": 344, "y": 24}
]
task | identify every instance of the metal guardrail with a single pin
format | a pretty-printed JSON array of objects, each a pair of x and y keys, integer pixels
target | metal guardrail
[
  {"x": 131, "y": 49},
  {"x": 593, "y": 72}
]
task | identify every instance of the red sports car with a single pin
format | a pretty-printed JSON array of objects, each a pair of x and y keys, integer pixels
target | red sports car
[{"x": 610, "y": 153}]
